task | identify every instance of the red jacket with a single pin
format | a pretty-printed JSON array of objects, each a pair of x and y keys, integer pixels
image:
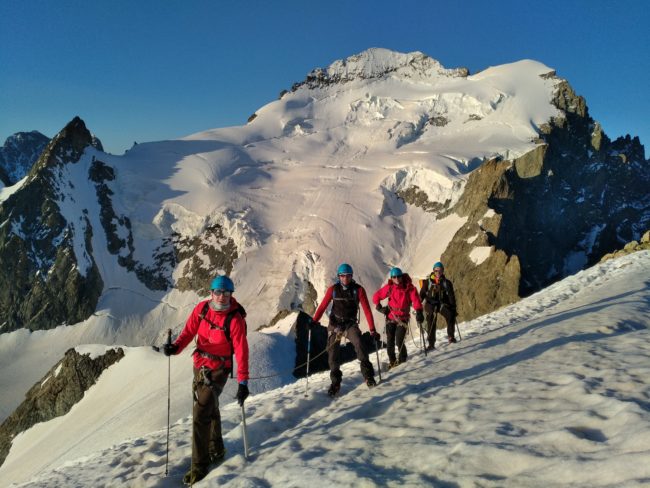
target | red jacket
[
  {"x": 363, "y": 301},
  {"x": 400, "y": 298},
  {"x": 213, "y": 340}
]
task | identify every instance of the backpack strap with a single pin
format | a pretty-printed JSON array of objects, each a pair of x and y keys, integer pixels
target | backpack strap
[
  {"x": 225, "y": 327},
  {"x": 355, "y": 291}
]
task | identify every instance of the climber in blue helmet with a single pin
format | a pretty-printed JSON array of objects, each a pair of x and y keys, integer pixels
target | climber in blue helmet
[
  {"x": 437, "y": 294},
  {"x": 219, "y": 328},
  {"x": 346, "y": 295}
]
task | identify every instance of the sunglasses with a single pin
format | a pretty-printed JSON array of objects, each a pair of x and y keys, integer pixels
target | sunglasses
[
  {"x": 219, "y": 293},
  {"x": 346, "y": 275}
]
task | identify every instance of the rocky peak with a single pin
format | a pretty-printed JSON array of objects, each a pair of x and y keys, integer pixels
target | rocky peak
[
  {"x": 43, "y": 283},
  {"x": 68, "y": 145},
  {"x": 19, "y": 153},
  {"x": 376, "y": 63}
]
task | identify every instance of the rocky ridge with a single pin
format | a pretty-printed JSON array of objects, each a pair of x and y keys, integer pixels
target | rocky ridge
[
  {"x": 549, "y": 213},
  {"x": 642, "y": 245},
  {"x": 41, "y": 285},
  {"x": 55, "y": 394},
  {"x": 377, "y": 63}
]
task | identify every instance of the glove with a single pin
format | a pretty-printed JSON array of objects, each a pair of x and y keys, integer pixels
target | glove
[
  {"x": 383, "y": 310},
  {"x": 375, "y": 335},
  {"x": 379, "y": 308},
  {"x": 170, "y": 349},
  {"x": 419, "y": 316},
  {"x": 242, "y": 393}
]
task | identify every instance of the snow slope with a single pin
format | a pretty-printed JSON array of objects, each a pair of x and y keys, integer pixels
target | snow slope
[{"x": 550, "y": 391}]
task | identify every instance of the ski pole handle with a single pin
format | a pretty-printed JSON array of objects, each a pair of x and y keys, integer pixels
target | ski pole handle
[{"x": 169, "y": 337}]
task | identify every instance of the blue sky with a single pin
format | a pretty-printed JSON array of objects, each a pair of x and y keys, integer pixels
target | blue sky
[{"x": 149, "y": 70}]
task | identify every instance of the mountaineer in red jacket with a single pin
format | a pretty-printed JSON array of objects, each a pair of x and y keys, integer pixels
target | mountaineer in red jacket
[
  {"x": 220, "y": 330},
  {"x": 346, "y": 295},
  {"x": 401, "y": 296}
]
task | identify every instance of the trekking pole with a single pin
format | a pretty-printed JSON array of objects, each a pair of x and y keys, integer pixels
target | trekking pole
[
  {"x": 460, "y": 338},
  {"x": 434, "y": 325},
  {"x": 422, "y": 339},
  {"x": 169, "y": 383},
  {"x": 243, "y": 425},
  {"x": 308, "y": 354},
  {"x": 378, "y": 365}
]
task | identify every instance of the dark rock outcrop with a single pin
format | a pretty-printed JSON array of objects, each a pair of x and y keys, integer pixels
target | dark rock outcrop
[
  {"x": 630, "y": 247},
  {"x": 61, "y": 388},
  {"x": 119, "y": 235},
  {"x": 41, "y": 285},
  {"x": 549, "y": 213},
  {"x": 317, "y": 353}
]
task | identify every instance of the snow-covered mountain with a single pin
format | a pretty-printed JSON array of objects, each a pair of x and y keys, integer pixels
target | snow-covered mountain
[
  {"x": 381, "y": 159},
  {"x": 550, "y": 391}
]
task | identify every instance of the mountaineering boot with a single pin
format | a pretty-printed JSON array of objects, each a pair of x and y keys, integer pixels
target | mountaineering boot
[
  {"x": 430, "y": 347},
  {"x": 196, "y": 473},
  {"x": 393, "y": 364},
  {"x": 370, "y": 381},
  {"x": 334, "y": 389},
  {"x": 452, "y": 340},
  {"x": 217, "y": 456}
]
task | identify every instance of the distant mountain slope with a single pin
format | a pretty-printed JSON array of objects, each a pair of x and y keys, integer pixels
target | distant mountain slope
[{"x": 380, "y": 159}]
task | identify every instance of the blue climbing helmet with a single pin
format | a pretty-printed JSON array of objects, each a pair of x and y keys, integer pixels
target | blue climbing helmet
[
  {"x": 438, "y": 265},
  {"x": 222, "y": 283},
  {"x": 395, "y": 272},
  {"x": 344, "y": 268}
]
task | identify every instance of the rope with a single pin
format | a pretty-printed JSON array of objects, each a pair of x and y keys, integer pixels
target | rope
[{"x": 339, "y": 337}]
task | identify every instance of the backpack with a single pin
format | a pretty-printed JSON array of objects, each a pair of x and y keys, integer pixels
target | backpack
[
  {"x": 442, "y": 288},
  {"x": 355, "y": 293},
  {"x": 226, "y": 325}
]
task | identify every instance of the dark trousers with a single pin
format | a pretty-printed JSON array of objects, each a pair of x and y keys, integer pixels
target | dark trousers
[
  {"x": 352, "y": 334},
  {"x": 395, "y": 335},
  {"x": 206, "y": 423},
  {"x": 432, "y": 312}
]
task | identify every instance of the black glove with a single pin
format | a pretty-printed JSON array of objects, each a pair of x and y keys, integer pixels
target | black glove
[
  {"x": 170, "y": 349},
  {"x": 375, "y": 335},
  {"x": 419, "y": 316},
  {"x": 242, "y": 393},
  {"x": 383, "y": 310}
]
